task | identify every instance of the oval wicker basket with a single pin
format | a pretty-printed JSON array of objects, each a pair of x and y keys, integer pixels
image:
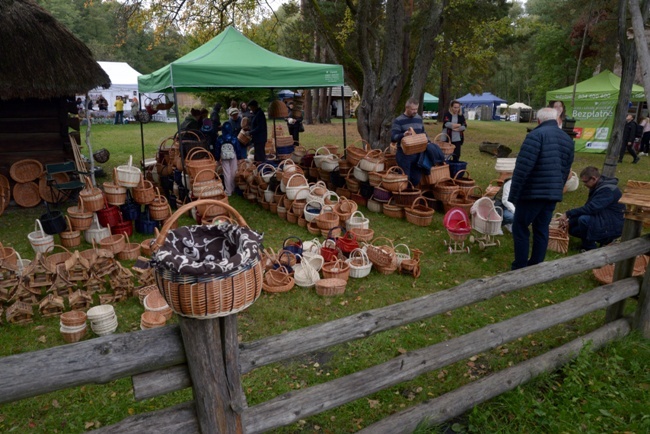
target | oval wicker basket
[
  {"x": 26, "y": 194},
  {"x": 330, "y": 287},
  {"x": 354, "y": 154}
]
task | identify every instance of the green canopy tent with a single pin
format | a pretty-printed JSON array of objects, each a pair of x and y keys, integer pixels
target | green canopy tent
[
  {"x": 430, "y": 102},
  {"x": 230, "y": 60},
  {"x": 595, "y": 102}
]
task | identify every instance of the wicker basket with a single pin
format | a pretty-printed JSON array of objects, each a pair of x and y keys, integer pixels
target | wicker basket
[
  {"x": 406, "y": 196},
  {"x": 93, "y": 198},
  {"x": 391, "y": 210},
  {"x": 605, "y": 274},
  {"x": 151, "y": 319},
  {"x": 374, "y": 178},
  {"x": 493, "y": 188},
  {"x": 394, "y": 179},
  {"x": 373, "y": 161},
  {"x": 113, "y": 243},
  {"x": 359, "y": 263},
  {"x": 128, "y": 175},
  {"x": 336, "y": 269},
  {"x": 558, "y": 235},
  {"x": 130, "y": 252},
  {"x": 354, "y": 154},
  {"x": 26, "y": 194},
  {"x": 209, "y": 296},
  {"x": 443, "y": 189},
  {"x": 327, "y": 220},
  {"x": 70, "y": 237},
  {"x": 382, "y": 255},
  {"x": 414, "y": 143},
  {"x": 486, "y": 218},
  {"x": 363, "y": 235},
  {"x": 445, "y": 146},
  {"x": 115, "y": 194},
  {"x": 276, "y": 281},
  {"x": 460, "y": 199},
  {"x": 26, "y": 170},
  {"x": 198, "y": 160},
  {"x": 419, "y": 213},
  {"x": 159, "y": 207},
  {"x": 144, "y": 192},
  {"x": 330, "y": 287},
  {"x": 40, "y": 241},
  {"x": 95, "y": 231}
]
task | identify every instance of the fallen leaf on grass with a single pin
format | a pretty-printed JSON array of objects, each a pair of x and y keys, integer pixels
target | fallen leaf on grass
[
  {"x": 56, "y": 404},
  {"x": 42, "y": 339},
  {"x": 373, "y": 403},
  {"x": 401, "y": 351}
]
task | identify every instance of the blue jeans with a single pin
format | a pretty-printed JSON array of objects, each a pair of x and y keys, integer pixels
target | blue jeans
[
  {"x": 508, "y": 217},
  {"x": 409, "y": 163},
  {"x": 579, "y": 227},
  {"x": 119, "y": 118},
  {"x": 539, "y": 214}
]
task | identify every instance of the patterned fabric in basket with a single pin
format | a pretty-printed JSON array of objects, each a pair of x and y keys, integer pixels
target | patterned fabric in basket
[{"x": 208, "y": 250}]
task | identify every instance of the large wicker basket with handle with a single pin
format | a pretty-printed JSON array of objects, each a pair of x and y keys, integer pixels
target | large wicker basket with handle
[{"x": 220, "y": 277}]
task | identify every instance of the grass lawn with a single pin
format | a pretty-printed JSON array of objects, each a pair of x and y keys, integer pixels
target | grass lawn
[{"x": 607, "y": 392}]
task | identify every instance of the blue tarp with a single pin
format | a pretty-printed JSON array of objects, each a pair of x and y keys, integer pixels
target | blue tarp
[{"x": 472, "y": 101}]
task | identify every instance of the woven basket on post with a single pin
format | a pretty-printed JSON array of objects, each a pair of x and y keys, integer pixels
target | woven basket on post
[
  {"x": 128, "y": 175},
  {"x": 209, "y": 296}
]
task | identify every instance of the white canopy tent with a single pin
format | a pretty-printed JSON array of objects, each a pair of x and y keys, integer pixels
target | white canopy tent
[{"x": 516, "y": 110}]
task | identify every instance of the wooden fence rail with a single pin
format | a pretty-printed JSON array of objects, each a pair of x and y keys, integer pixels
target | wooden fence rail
[{"x": 156, "y": 359}]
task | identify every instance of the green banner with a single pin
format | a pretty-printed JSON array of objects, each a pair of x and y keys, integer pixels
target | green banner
[{"x": 594, "y": 123}]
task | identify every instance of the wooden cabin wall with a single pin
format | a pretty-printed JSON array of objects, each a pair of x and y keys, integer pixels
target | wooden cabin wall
[{"x": 36, "y": 129}]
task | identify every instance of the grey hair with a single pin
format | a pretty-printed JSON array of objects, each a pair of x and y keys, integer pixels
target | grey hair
[
  {"x": 547, "y": 114},
  {"x": 412, "y": 101}
]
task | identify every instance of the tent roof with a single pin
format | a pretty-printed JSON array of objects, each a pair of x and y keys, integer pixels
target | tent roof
[
  {"x": 430, "y": 98},
  {"x": 230, "y": 60},
  {"x": 485, "y": 98},
  {"x": 519, "y": 105},
  {"x": 121, "y": 73},
  {"x": 604, "y": 86}
]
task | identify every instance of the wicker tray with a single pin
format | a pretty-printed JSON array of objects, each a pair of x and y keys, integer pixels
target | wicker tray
[{"x": 26, "y": 170}]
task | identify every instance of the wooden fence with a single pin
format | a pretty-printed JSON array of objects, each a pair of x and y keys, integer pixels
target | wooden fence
[{"x": 176, "y": 357}]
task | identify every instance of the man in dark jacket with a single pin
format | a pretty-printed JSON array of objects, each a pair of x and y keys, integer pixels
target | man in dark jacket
[
  {"x": 629, "y": 134},
  {"x": 541, "y": 170},
  {"x": 601, "y": 219},
  {"x": 258, "y": 131}
]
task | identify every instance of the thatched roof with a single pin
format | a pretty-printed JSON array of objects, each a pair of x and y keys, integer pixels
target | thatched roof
[{"x": 40, "y": 57}]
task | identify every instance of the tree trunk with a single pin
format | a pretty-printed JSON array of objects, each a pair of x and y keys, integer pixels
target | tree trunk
[
  {"x": 444, "y": 97},
  {"x": 641, "y": 42},
  {"x": 627, "y": 52}
]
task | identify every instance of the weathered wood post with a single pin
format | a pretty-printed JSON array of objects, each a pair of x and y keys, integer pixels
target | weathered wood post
[
  {"x": 212, "y": 354},
  {"x": 642, "y": 316}
]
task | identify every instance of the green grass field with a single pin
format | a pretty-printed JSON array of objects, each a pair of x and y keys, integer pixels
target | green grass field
[{"x": 605, "y": 392}]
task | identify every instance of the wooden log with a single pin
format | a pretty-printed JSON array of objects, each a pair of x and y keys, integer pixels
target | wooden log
[
  {"x": 314, "y": 338},
  {"x": 206, "y": 362},
  {"x": 642, "y": 315},
  {"x": 624, "y": 268},
  {"x": 98, "y": 360},
  {"x": 154, "y": 383},
  {"x": 458, "y": 401},
  {"x": 180, "y": 418},
  {"x": 293, "y": 406}
]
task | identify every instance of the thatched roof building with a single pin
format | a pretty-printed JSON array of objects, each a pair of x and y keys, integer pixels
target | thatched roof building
[
  {"x": 42, "y": 67},
  {"x": 40, "y": 57}
]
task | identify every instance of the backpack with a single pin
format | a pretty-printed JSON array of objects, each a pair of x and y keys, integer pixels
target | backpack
[{"x": 228, "y": 152}]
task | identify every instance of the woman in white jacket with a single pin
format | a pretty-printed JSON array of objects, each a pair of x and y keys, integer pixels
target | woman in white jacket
[{"x": 501, "y": 200}]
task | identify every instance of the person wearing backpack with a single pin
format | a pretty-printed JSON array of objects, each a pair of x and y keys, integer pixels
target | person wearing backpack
[
  {"x": 227, "y": 151},
  {"x": 629, "y": 135}
]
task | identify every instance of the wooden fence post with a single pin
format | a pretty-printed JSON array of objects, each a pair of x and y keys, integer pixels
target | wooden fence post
[
  {"x": 642, "y": 316},
  {"x": 624, "y": 269},
  {"x": 212, "y": 354}
]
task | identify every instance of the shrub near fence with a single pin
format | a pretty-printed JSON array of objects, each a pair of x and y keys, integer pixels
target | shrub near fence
[{"x": 175, "y": 357}]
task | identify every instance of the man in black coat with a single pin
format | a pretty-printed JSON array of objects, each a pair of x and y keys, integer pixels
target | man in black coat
[
  {"x": 629, "y": 134},
  {"x": 601, "y": 219},
  {"x": 541, "y": 170},
  {"x": 258, "y": 131}
]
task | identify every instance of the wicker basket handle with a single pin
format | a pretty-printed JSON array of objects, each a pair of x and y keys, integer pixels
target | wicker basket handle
[
  {"x": 382, "y": 238},
  {"x": 183, "y": 133},
  {"x": 195, "y": 151},
  {"x": 420, "y": 199},
  {"x": 374, "y": 153},
  {"x": 359, "y": 253},
  {"x": 364, "y": 145},
  {"x": 463, "y": 171},
  {"x": 68, "y": 226},
  {"x": 284, "y": 243},
  {"x": 408, "y": 184},
  {"x": 395, "y": 169},
  {"x": 164, "y": 142},
  {"x": 404, "y": 245},
  {"x": 357, "y": 212},
  {"x": 435, "y": 139},
  {"x": 38, "y": 227},
  {"x": 160, "y": 239},
  {"x": 205, "y": 170},
  {"x": 52, "y": 247},
  {"x": 322, "y": 147}
]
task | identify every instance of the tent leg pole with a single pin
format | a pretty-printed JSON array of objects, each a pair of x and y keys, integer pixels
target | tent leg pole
[
  {"x": 345, "y": 142},
  {"x": 180, "y": 142},
  {"x": 141, "y": 135}
]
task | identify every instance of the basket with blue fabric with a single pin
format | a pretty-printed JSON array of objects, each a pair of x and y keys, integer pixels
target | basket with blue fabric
[{"x": 208, "y": 271}]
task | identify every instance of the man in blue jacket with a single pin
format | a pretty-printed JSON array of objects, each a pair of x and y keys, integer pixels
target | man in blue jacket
[
  {"x": 601, "y": 219},
  {"x": 541, "y": 170}
]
